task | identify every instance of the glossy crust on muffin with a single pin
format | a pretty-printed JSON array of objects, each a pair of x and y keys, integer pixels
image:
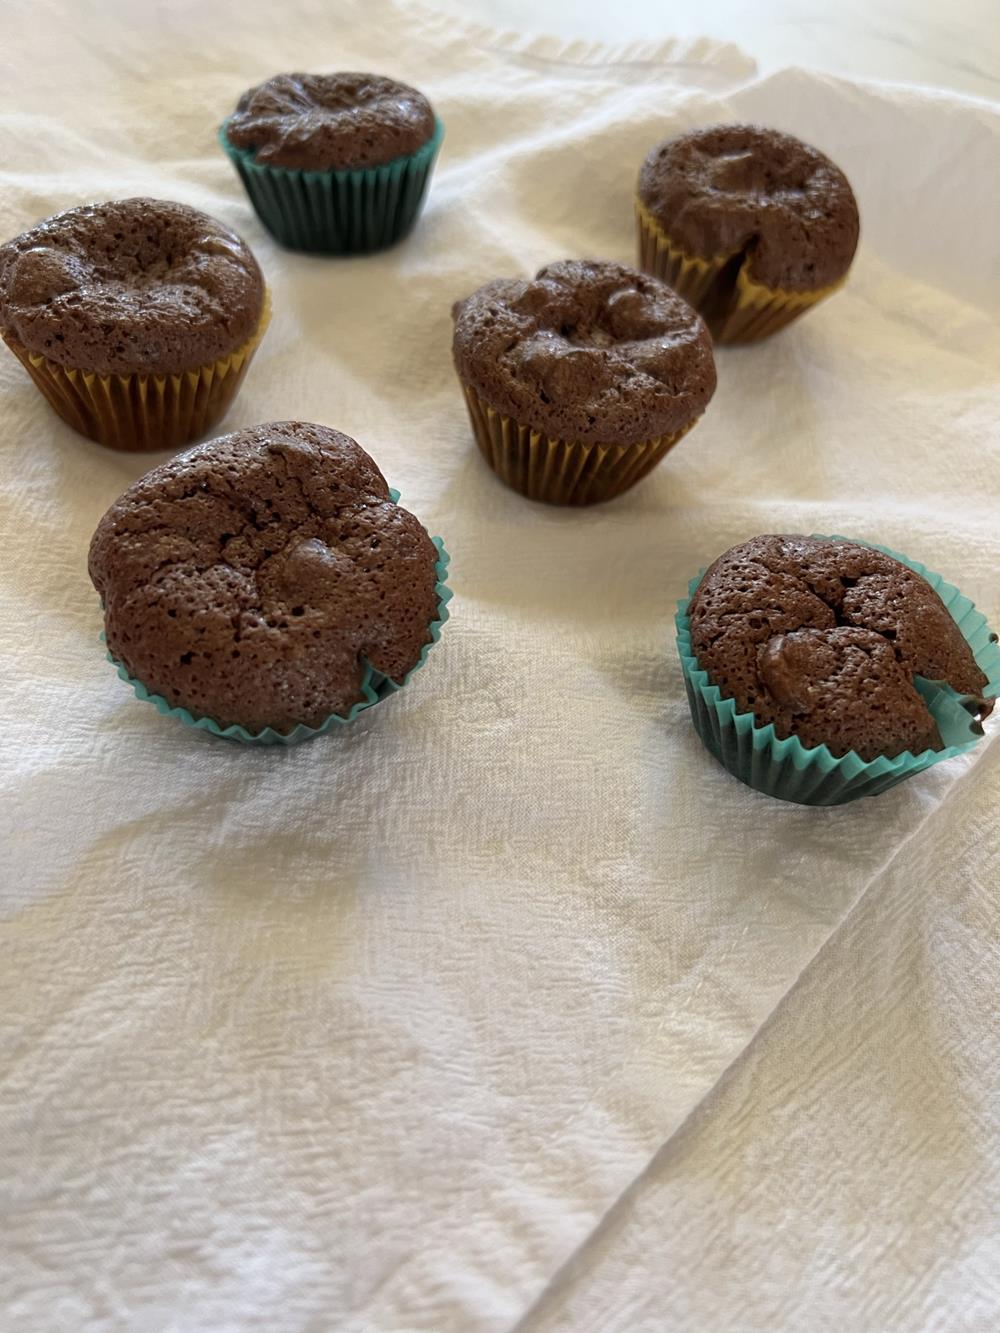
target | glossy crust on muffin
[
  {"x": 589, "y": 351},
  {"x": 745, "y": 190},
  {"x": 249, "y": 579},
  {"x": 823, "y": 638},
  {"x": 133, "y": 286},
  {"x": 330, "y": 122}
]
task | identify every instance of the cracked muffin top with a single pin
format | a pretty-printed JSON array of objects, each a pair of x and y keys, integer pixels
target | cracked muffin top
[
  {"x": 250, "y": 578},
  {"x": 742, "y": 189},
  {"x": 133, "y": 286},
  {"x": 330, "y": 122},
  {"x": 823, "y": 638},
  {"x": 586, "y": 351}
]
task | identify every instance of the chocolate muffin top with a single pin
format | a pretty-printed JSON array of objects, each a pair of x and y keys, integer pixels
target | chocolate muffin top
[
  {"x": 249, "y": 578},
  {"x": 744, "y": 190},
  {"x": 823, "y": 638},
  {"x": 330, "y": 122},
  {"x": 587, "y": 351},
  {"x": 134, "y": 286}
]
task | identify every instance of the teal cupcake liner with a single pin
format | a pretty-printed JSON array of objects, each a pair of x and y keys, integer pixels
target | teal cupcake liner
[
  {"x": 789, "y": 770},
  {"x": 375, "y": 686},
  {"x": 338, "y": 212}
]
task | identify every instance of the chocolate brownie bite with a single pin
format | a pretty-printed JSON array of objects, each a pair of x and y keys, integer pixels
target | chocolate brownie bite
[
  {"x": 753, "y": 226},
  {"x": 330, "y": 122},
  {"x": 823, "y": 639},
  {"x": 252, "y": 578},
  {"x": 98, "y": 300},
  {"x": 334, "y": 163},
  {"x": 579, "y": 380}
]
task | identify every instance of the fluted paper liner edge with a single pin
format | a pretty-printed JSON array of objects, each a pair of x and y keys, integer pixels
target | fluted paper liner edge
[
  {"x": 789, "y": 770},
  {"x": 374, "y": 686}
]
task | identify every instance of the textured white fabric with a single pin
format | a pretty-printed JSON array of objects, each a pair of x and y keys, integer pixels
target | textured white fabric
[
  {"x": 372, "y": 1033},
  {"x": 844, "y": 1174}
]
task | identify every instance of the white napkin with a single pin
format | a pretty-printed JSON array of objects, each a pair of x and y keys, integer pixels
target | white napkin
[
  {"x": 844, "y": 1173},
  {"x": 370, "y": 1033}
]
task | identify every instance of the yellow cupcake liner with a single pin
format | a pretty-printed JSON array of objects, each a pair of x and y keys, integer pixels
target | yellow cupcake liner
[
  {"x": 560, "y": 472},
  {"x": 139, "y": 412},
  {"x": 751, "y": 311}
]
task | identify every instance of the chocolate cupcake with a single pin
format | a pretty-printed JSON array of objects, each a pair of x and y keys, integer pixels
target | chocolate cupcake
[
  {"x": 266, "y": 584},
  {"x": 752, "y": 226},
  {"x": 335, "y": 163},
  {"x": 136, "y": 319},
  {"x": 818, "y": 668},
  {"x": 579, "y": 380}
]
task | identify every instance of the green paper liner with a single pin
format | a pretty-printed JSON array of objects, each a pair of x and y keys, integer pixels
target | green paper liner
[
  {"x": 788, "y": 769},
  {"x": 375, "y": 687},
  {"x": 338, "y": 212}
]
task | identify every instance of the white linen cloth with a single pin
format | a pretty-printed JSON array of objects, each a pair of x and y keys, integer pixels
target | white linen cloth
[
  {"x": 373, "y": 1033},
  {"x": 844, "y": 1173}
]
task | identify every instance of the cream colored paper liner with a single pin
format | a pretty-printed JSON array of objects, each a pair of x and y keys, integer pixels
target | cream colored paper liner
[
  {"x": 561, "y": 472},
  {"x": 139, "y": 412},
  {"x": 756, "y": 311}
]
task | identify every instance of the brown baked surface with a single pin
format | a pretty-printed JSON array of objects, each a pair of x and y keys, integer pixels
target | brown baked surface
[
  {"x": 744, "y": 190},
  {"x": 823, "y": 638},
  {"x": 330, "y": 122},
  {"x": 246, "y": 579},
  {"x": 586, "y": 351},
  {"x": 134, "y": 286}
]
